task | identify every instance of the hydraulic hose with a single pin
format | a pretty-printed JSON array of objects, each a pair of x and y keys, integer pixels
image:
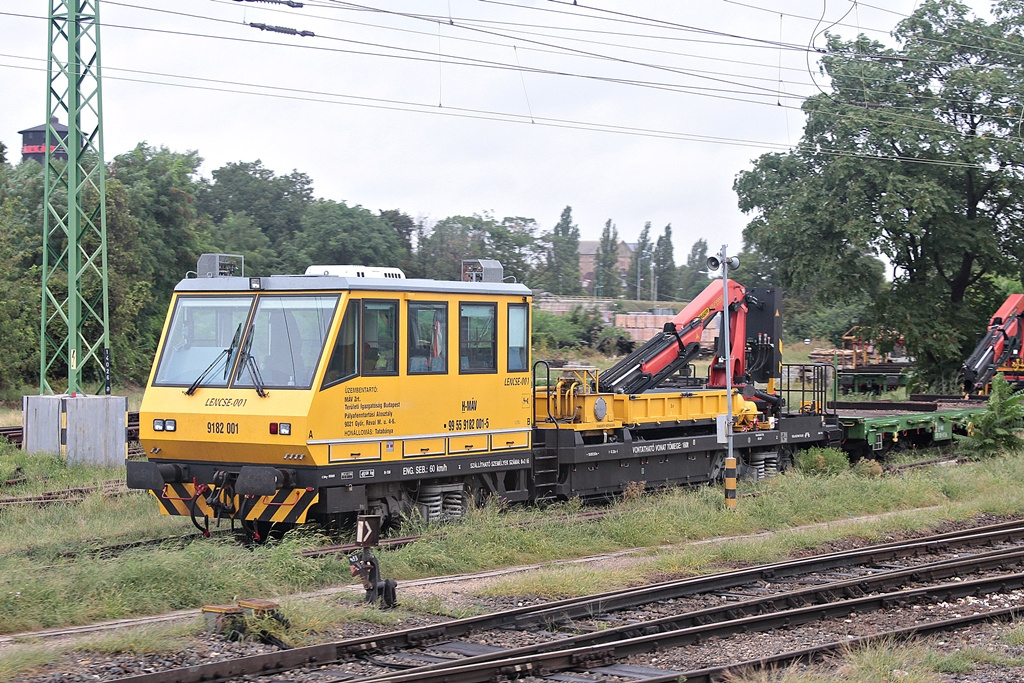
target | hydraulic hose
[{"x": 200, "y": 489}]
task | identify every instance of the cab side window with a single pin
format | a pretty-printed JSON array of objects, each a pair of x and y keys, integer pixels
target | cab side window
[
  {"x": 428, "y": 338},
  {"x": 478, "y": 336},
  {"x": 518, "y": 338},
  {"x": 380, "y": 337},
  {"x": 343, "y": 363}
]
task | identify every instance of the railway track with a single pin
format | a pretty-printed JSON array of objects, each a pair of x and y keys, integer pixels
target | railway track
[
  {"x": 612, "y": 633},
  {"x": 111, "y": 487},
  {"x": 15, "y": 434}
]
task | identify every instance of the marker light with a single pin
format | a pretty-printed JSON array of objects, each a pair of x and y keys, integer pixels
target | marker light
[
  {"x": 170, "y": 425},
  {"x": 285, "y": 429},
  {"x": 273, "y": 428},
  {"x": 158, "y": 425}
]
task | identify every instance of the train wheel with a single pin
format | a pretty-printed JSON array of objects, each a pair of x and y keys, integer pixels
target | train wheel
[
  {"x": 476, "y": 495},
  {"x": 785, "y": 458},
  {"x": 717, "y": 473}
]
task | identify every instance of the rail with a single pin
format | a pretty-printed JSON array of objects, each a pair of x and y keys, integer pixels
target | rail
[{"x": 603, "y": 646}]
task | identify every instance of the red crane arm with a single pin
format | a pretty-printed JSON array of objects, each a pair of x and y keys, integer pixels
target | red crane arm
[
  {"x": 1003, "y": 339},
  {"x": 669, "y": 350}
]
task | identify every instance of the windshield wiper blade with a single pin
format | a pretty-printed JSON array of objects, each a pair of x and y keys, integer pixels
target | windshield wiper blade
[
  {"x": 195, "y": 385},
  {"x": 225, "y": 352},
  {"x": 254, "y": 370},
  {"x": 231, "y": 349},
  {"x": 257, "y": 379}
]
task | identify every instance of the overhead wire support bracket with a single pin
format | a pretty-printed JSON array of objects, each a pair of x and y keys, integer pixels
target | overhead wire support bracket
[{"x": 282, "y": 29}]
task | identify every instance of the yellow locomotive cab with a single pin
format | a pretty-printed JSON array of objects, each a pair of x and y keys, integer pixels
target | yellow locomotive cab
[{"x": 272, "y": 399}]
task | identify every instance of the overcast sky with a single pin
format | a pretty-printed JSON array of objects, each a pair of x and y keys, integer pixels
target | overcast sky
[{"x": 629, "y": 110}]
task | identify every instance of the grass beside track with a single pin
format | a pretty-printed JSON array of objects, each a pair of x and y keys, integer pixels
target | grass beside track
[{"x": 44, "y": 588}]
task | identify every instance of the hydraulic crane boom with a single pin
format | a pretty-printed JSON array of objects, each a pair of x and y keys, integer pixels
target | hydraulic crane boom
[
  {"x": 679, "y": 343},
  {"x": 1000, "y": 343}
]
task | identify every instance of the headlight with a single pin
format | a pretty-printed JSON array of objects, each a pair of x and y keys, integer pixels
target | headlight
[
  {"x": 170, "y": 425},
  {"x": 286, "y": 429},
  {"x": 158, "y": 425}
]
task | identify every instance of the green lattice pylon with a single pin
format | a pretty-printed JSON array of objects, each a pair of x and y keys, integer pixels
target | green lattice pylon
[{"x": 74, "y": 332}]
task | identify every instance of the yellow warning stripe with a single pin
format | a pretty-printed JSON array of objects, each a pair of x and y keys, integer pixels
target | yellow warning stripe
[{"x": 287, "y": 505}]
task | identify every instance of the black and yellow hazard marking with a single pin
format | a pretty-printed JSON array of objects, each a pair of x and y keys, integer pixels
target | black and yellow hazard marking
[
  {"x": 287, "y": 505},
  {"x": 177, "y": 499},
  {"x": 730, "y": 483}
]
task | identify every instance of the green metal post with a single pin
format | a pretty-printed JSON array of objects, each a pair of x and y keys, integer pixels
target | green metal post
[{"x": 74, "y": 327}]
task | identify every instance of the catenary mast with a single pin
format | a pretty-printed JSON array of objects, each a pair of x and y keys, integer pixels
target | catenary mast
[{"x": 74, "y": 329}]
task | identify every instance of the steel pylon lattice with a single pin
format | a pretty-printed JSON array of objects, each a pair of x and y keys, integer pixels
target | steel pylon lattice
[{"x": 74, "y": 329}]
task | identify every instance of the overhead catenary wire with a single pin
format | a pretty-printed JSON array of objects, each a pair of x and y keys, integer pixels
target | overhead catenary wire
[
  {"x": 689, "y": 89},
  {"x": 710, "y": 92},
  {"x": 582, "y": 54},
  {"x": 463, "y": 112},
  {"x": 429, "y": 56},
  {"x": 676, "y": 87},
  {"x": 367, "y": 8}
]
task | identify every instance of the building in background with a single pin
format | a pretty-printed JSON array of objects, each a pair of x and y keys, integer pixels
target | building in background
[
  {"x": 588, "y": 258},
  {"x": 33, "y": 142}
]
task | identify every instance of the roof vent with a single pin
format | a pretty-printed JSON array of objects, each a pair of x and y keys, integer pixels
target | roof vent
[{"x": 357, "y": 271}]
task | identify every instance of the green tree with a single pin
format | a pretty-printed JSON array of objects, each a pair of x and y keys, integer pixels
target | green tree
[
  {"x": 559, "y": 271},
  {"x": 154, "y": 237},
  {"x": 553, "y": 331},
  {"x": 914, "y": 155},
  {"x": 758, "y": 271},
  {"x": 335, "y": 233},
  {"x": 276, "y": 204},
  {"x": 665, "y": 266},
  {"x": 511, "y": 242},
  {"x": 407, "y": 230},
  {"x": 22, "y": 187},
  {"x": 402, "y": 223},
  {"x": 239, "y": 234},
  {"x": 607, "y": 278},
  {"x": 449, "y": 241},
  {"x": 641, "y": 260},
  {"x": 3, "y": 153},
  {"x": 160, "y": 187},
  {"x": 135, "y": 315},
  {"x": 690, "y": 280},
  {"x": 19, "y": 304}
]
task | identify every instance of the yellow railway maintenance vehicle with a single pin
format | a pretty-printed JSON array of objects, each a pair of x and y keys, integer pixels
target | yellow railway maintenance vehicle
[{"x": 347, "y": 390}]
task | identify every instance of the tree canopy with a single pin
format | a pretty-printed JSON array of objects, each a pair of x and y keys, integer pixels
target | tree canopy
[
  {"x": 559, "y": 270},
  {"x": 913, "y": 154},
  {"x": 665, "y": 266},
  {"x": 638, "y": 276},
  {"x": 607, "y": 278}
]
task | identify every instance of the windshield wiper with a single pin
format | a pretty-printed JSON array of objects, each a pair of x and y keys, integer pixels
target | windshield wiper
[
  {"x": 226, "y": 352},
  {"x": 254, "y": 371},
  {"x": 257, "y": 379}
]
